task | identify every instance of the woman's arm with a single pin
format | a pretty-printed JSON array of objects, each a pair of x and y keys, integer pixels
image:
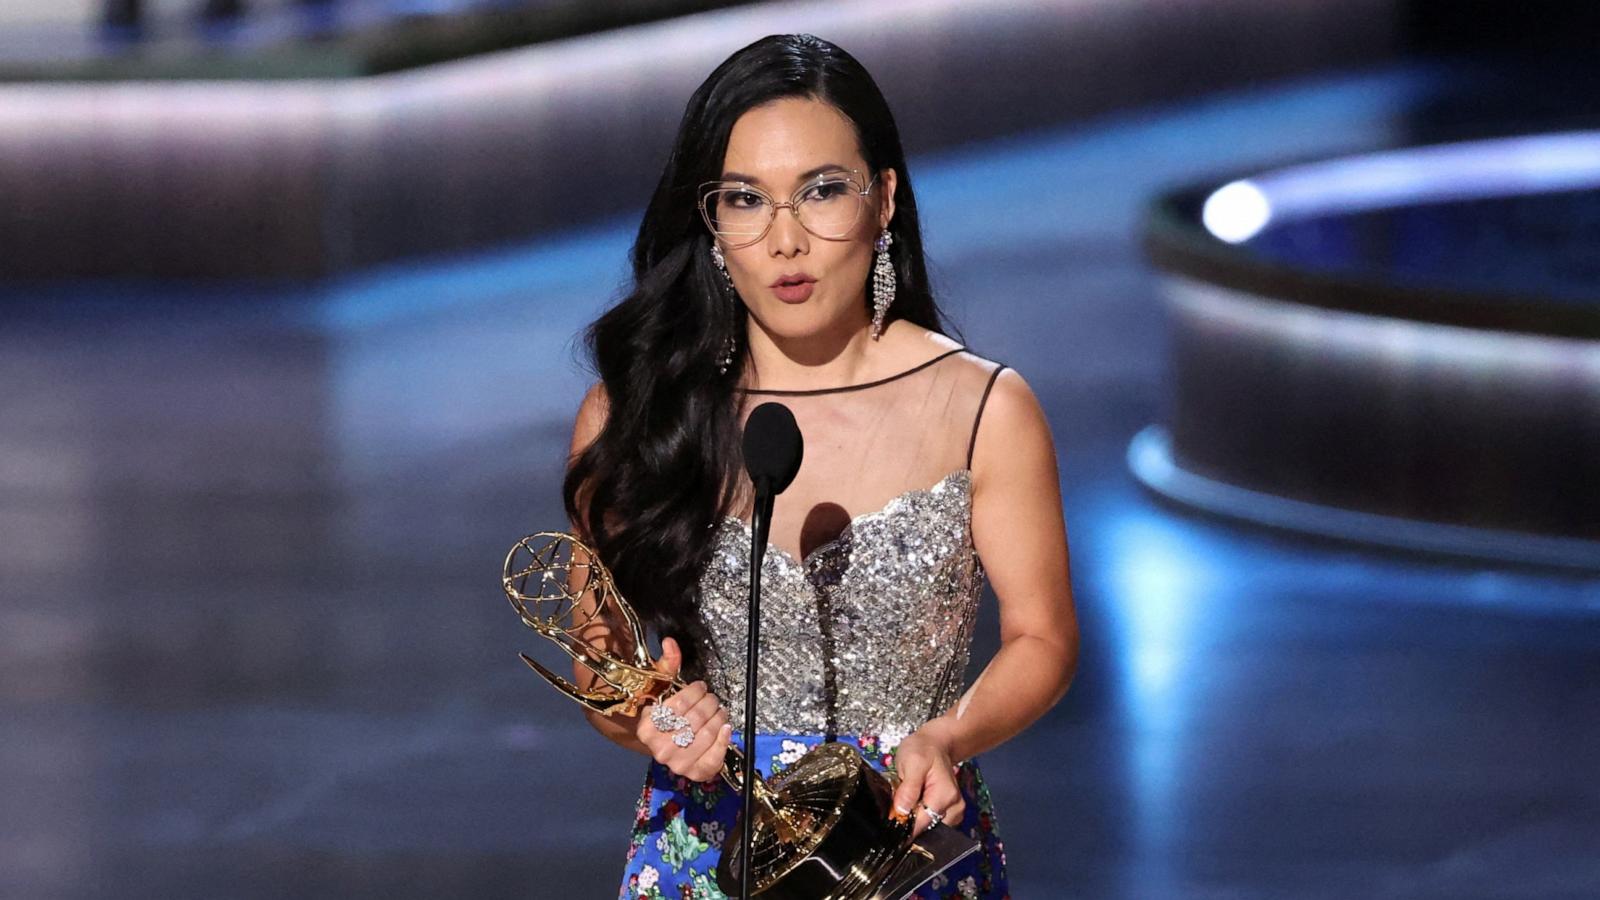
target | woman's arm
[
  {"x": 1019, "y": 533},
  {"x": 702, "y": 759},
  {"x": 586, "y": 427}
]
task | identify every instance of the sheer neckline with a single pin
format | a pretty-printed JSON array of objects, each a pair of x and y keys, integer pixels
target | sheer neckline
[
  {"x": 962, "y": 475},
  {"x": 851, "y": 387}
]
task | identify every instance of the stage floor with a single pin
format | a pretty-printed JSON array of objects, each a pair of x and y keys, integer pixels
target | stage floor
[{"x": 252, "y": 642}]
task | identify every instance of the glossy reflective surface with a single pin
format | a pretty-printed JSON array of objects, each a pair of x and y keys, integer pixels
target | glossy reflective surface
[
  {"x": 1538, "y": 244},
  {"x": 252, "y": 642}
]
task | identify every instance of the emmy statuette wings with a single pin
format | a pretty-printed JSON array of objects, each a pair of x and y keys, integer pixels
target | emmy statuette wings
[{"x": 559, "y": 589}]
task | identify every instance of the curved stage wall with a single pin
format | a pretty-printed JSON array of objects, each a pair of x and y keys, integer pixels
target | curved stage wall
[
  {"x": 1429, "y": 410},
  {"x": 301, "y": 179}
]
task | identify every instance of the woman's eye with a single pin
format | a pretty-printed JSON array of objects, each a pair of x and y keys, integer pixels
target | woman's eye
[
  {"x": 742, "y": 199},
  {"x": 827, "y": 190}
]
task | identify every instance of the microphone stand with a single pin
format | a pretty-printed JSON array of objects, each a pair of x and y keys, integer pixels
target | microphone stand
[{"x": 761, "y": 523}]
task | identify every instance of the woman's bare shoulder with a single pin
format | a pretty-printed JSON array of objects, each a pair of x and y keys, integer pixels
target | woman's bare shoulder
[
  {"x": 917, "y": 344},
  {"x": 1013, "y": 423},
  {"x": 591, "y": 417},
  {"x": 921, "y": 344}
]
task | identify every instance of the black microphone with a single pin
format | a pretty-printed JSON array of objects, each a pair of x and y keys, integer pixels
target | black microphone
[{"x": 772, "y": 452}]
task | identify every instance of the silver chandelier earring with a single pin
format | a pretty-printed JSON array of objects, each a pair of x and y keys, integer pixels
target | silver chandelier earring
[
  {"x": 731, "y": 345},
  {"x": 882, "y": 282}
]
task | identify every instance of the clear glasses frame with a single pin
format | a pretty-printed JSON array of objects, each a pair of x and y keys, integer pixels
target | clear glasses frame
[{"x": 798, "y": 197}]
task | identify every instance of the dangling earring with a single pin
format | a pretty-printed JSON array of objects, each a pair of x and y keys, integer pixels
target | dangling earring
[
  {"x": 882, "y": 282},
  {"x": 731, "y": 345}
]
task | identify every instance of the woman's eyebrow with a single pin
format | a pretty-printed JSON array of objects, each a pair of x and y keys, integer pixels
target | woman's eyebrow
[{"x": 807, "y": 174}]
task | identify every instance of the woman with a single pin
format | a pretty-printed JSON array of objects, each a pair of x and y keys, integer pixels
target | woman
[{"x": 781, "y": 258}]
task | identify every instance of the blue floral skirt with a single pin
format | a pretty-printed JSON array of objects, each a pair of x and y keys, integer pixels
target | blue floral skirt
[{"x": 680, "y": 828}]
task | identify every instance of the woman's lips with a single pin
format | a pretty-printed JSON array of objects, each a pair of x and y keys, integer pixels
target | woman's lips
[
  {"x": 793, "y": 287},
  {"x": 793, "y": 293}
]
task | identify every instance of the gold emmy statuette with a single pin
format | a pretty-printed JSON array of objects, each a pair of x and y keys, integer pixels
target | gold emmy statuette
[{"x": 824, "y": 828}]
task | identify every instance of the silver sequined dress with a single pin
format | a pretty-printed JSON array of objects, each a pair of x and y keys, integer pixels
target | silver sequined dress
[
  {"x": 870, "y": 591},
  {"x": 868, "y": 634}
]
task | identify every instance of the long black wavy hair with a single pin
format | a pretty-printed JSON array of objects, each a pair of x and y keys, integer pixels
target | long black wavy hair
[{"x": 667, "y": 464}]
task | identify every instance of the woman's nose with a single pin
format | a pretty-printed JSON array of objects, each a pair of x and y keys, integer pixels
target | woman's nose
[{"x": 787, "y": 234}]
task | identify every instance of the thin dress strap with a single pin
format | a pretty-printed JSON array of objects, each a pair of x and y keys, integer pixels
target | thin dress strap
[{"x": 978, "y": 417}]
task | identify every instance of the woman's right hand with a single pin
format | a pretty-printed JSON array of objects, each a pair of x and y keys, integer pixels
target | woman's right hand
[{"x": 702, "y": 759}]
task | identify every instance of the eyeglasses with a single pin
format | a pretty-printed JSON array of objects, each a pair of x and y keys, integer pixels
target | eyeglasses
[{"x": 828, "y": 206}]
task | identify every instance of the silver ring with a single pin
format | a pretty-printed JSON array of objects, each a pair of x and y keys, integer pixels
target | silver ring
[
  {"x": 684, "y": 736},
  {"x": 662, "y": 716},
  {"x": 934, "y": 818}
]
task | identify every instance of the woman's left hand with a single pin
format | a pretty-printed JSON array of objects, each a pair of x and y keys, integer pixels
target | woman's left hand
[{"x": 927, "y": 781}]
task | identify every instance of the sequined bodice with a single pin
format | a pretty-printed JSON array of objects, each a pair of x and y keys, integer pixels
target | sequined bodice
[{"x": 868, "y": 634}]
